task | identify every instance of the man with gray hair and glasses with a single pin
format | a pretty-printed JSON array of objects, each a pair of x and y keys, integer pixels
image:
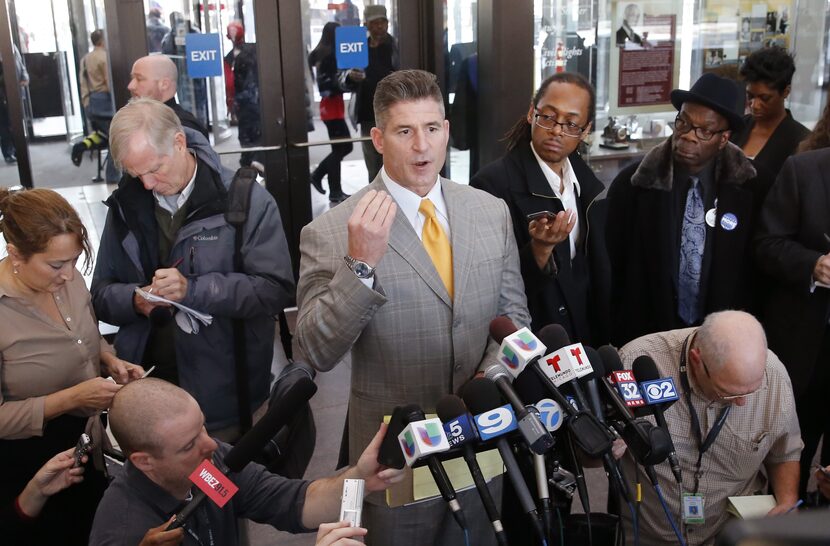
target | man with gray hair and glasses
[
  {"x": 735, "y": 415},
  {"x": 166, "y": 233}
]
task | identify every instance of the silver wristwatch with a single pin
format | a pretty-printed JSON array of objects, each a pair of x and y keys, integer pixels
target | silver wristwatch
[{"x": 361, "y": 269}]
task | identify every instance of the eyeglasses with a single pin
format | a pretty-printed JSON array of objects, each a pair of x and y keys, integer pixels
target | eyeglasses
[
  {"x": 682, "y": 126},
  {"x": 728, "y": 397},
  {"x": 549, "y": 123}
]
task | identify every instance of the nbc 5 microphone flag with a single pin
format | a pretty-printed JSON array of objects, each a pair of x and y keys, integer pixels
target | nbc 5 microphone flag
[
  {"x": 422, "y": 438},
  {"x": 518, "y": 349}
]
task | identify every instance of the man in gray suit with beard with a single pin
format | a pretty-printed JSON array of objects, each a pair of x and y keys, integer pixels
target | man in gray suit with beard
[{"x": 407, "y": 275}]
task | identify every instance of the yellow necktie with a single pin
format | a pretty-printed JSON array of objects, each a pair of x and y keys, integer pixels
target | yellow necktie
[{"x": 437, "y": 244}]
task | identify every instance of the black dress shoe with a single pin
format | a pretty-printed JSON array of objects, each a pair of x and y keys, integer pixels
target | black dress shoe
[
  {"x": 338, "y": 198},
  {"x": 11, "y": 160},
  {"x": 318, "y": 184}
]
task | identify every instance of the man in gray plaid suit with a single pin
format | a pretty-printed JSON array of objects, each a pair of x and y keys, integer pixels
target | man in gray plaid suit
[{"x": 407, "y": 275}]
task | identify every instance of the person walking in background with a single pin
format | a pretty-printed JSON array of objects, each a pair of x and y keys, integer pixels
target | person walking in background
[
  {"x": 243, "y": 63},
  {"x": 333, "y": 113},
  {"x": 97, "y": 100},
  {"x": 6, "y": 142},
  {"x": 383, "y": 60}
]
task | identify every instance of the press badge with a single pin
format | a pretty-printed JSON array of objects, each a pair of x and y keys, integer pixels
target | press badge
[{"x": 693, "y": 509}]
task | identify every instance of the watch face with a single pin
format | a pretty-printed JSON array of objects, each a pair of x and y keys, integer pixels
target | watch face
[{"x": 362, "y": 270}]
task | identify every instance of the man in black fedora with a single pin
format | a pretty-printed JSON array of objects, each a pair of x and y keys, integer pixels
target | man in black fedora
[{"x": 680, "y": 222}]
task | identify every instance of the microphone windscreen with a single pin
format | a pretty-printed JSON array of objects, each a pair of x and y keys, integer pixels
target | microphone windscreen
[
  {"x": 481, "y": 395},
  {"x": 412, "y": 413},
  {"x": 494, "y": 371},
  {"x": 450, "y": 407},
  {"x": 529, "y": 388},
  {"x": 596, "y": 364},
  {"x": 501, "y": 327},
  {"x": 610, "y": 359},
  {"x": 645, "y": 369},
  {"x": 252, "y": 443},
  {"x": 554, "y": 337}
]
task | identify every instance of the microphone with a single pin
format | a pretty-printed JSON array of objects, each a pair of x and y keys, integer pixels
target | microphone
[
  {"x": 658, "y": 391},
  {"x": 534, "y": 434},
  {"x": 649, "y": 444},
  {"x": 518, "y": 346},
  {"x": 551, "y": 415},
  {"x": 461, "y": 431},
  {"x": 253, "y": 442},
  {"x": 421, "y": 439},
  {"x": 612, "y": 467},
  {"x": 493, "y": 421},
  {"x": 589, "y": 381},
  {"x": 592, "y": 438},
  {"x": 567, "y": 361}
]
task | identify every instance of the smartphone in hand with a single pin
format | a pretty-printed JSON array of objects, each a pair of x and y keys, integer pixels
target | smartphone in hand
[
  {"x": 551, "y": 216},
  {"x": 81, "y": 448}
]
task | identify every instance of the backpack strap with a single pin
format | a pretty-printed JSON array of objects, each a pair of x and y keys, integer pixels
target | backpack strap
[{"x": 239, "y": 200}]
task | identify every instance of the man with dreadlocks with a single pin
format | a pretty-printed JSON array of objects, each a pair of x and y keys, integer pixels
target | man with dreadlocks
[{"x": 543, "y": 172}]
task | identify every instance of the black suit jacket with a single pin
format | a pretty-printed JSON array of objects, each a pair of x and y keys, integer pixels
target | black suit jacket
[
  {"x": 187, "y": 118},
  {"x": 560, "y": 296},
  {"x": 790, "y": 240},
  {"x": 782, "y": 143},
  {"x": 643, "y": 245}
]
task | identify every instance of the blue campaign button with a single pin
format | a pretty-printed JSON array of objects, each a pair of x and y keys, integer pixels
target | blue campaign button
[
  {"x": 351, "y": 47},
  {"x": 203, "y": 53},
  {"x": 729, "y": 221}
]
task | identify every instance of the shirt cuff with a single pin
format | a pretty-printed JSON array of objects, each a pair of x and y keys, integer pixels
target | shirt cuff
[{"x": 368, "y": 283}]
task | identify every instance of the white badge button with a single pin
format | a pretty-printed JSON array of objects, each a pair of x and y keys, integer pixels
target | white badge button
[{"x": 710, "y": 217}]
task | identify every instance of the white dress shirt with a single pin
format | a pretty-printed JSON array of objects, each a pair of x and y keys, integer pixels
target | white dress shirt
[
  {"x": 172, "y": 203},
  {"x": 408, "y": 204},
  {"x": 568, "y": 195}
]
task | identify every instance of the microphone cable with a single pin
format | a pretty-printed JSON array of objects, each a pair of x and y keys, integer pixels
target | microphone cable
[{"x": 669, "y": 517}]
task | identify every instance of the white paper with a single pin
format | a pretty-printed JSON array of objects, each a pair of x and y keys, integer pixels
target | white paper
[{"x": 188, "y": 319}]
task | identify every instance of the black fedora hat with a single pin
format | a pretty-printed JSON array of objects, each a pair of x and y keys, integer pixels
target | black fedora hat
[{"x": 719, "y": 94}]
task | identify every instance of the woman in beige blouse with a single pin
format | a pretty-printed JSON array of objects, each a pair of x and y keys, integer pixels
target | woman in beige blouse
[{"x": 53, "y": 361}]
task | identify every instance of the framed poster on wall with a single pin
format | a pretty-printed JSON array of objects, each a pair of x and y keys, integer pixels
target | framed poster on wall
[{"x": 644, "y": 56}]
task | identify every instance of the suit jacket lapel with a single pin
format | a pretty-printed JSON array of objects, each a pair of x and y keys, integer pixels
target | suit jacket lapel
[
  {"x": 405, "y": 242},
  {"x": 462, "y": 237}
]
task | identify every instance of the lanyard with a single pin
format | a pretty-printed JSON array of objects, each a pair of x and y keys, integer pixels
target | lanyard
[
  {"x": 201, "y": 511},
  {"x": 703, "y": 443}
]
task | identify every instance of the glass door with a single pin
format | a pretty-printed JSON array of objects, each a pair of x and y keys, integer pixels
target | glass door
[{"x": 338, "y": 116}]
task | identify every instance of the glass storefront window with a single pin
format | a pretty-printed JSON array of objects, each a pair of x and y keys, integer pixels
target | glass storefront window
[{"x": 635, "y": 51}]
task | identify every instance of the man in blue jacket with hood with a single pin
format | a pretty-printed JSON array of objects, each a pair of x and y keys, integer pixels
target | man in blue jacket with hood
[{"x": 166, "y": 233}]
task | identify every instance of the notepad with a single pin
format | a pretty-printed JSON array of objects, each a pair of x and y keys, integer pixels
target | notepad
[
  {"x": 188, "y": 320},
  {"x": 750, "y": 506}
]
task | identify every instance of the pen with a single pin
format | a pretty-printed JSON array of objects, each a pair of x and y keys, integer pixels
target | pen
[
  {"x": 827, "y": 238},
  {"x": 799, "y": 503},
  {"x": 178, "y": 262}
]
